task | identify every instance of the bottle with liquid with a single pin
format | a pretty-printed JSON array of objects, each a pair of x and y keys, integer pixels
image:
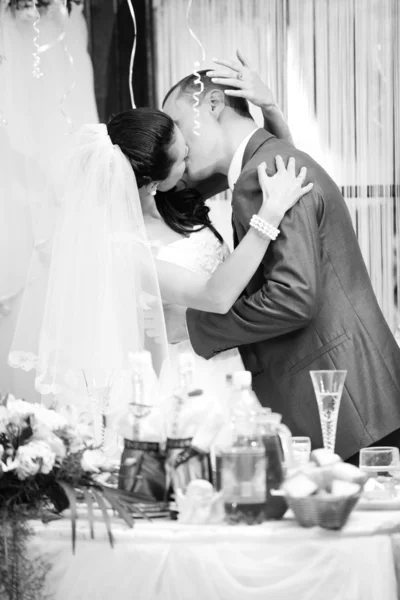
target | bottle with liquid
[
  {"x": 142, "y": 470},
  {"x": 223, "y": 441},
  {"x": 244, "y": 464},
  {"x": 243, "y": 401},
  {"x": 192, "y": 423},
  {"x": 277, "y": 441}
]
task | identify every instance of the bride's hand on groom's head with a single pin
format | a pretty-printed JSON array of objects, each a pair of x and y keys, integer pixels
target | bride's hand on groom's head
[
  {"x": 244, "y": 79},
  {"x": 282, "y": 190}
]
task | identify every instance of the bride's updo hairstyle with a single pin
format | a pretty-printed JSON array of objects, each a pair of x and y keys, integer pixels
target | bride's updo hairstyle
[{"x": 145, "y": 136}]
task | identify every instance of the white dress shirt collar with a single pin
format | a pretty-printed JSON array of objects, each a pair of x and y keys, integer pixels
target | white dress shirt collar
[{"x": 235, "y": 167}]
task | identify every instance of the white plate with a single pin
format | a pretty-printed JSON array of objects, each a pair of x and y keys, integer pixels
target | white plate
[{"x": 374, "y": 504}]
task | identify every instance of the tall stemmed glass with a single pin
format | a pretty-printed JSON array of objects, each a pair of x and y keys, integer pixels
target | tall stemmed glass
[
  {"x": 328, "y": 388},
  {"x": 99, "y": 391}
]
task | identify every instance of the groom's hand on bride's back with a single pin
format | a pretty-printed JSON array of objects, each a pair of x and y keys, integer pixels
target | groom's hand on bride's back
[{"x": 175, "y": 322}]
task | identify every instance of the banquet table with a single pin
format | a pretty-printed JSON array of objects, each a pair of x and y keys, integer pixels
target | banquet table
[{"x": 165, "y": 560}]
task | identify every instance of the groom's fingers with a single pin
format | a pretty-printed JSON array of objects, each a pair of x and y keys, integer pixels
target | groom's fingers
[
  {"x": 280, "y": 165},
  {"x": 231, "y": 64},
  {"x": 242, "y": 58}
]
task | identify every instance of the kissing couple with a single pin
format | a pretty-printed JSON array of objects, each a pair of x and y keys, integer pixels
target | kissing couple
[{"x": 136, "y": 255}]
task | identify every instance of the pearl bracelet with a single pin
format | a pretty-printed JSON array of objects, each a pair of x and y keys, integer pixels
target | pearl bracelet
[{"x": 264, "y": 228}]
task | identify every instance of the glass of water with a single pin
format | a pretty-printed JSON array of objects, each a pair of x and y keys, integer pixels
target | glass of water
[
  {"x": 328, "y": 388},
  {"x": 301, "y": 450},
  {"x": 381, "y": 464},
  {"x": 380, "y": 461}
]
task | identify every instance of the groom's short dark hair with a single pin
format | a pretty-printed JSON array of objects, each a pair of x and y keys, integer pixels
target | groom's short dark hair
[{"x": 189, "y": 84}]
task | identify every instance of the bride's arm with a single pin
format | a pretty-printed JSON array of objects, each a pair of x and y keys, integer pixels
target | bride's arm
[
  {"x": 219, "y": 292},
  {"x": 253, "y": 89}
]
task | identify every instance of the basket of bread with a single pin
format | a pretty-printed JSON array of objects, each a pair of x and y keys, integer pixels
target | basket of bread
[{"x": 324, "y": 492}]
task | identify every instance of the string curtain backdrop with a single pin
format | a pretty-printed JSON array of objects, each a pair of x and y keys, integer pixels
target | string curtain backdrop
[{"x": 334, "y": 67}]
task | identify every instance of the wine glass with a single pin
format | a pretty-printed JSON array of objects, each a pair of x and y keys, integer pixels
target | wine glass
[{"x": 328, "y": 388}]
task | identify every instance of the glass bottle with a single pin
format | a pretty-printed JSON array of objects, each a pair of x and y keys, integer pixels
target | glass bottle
[
  {"x": 190, "y": 432},
  {"x": 142, "y": 469},
  {"x": 242, "y": 401},
  {"x": 276, "y": 438},
  {"x": 244, "y": 464}
]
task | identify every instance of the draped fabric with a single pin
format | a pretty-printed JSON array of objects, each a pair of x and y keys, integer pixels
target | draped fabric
[
  {"x": 274, "y": 561},
  {"x": 334, "y": 68},
  {"x": 33, "y": 144}
]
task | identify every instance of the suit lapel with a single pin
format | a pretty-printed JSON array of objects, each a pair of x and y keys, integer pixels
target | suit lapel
[{"x": 260, "y": 136}]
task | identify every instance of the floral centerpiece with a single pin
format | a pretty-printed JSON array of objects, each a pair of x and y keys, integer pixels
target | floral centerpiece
[{"x": 46, "y": 466}]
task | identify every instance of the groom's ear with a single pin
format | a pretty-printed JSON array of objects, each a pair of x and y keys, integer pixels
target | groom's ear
[{"x": 216, "y": 99}]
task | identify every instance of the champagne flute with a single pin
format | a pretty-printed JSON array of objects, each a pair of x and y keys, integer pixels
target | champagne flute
[
  {"x": 99, "y": 391},
  {"x": 328, "y": 388}
]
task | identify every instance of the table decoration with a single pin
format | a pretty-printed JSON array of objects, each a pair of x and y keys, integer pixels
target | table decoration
[
  {"x": 45, "y": 466},
  {"x": 324, "y": 495}
]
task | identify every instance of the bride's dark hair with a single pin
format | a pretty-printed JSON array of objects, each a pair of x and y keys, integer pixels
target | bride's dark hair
[{"x": 145, "y": 136}]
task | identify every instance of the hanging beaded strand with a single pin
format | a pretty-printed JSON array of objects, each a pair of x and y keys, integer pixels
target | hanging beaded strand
[{"x": 197, "y": 65}]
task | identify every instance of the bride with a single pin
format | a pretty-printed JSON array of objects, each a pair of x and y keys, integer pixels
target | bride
[{"x": 127, "y": 241}]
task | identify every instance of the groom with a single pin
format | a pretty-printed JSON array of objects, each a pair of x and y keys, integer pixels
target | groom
[{"x": 310, "y": 306}]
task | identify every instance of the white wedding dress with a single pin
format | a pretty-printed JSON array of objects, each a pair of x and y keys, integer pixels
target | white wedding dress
[{"x": 202, "y": 252}]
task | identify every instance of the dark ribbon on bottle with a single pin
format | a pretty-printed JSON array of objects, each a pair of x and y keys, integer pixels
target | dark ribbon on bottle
[
  {"x": 142, "y": 470},
  {"x": 145, "y": 446},
  {"x": 186, "y": 455},
  {"x": 178, "y": 443}
]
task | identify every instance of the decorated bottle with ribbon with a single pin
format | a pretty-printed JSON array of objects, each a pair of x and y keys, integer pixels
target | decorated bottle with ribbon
[
  {"x": 192, "y": 422},
  {"x": 142, "y": 470},
  {"x": 243, "y": 463}
]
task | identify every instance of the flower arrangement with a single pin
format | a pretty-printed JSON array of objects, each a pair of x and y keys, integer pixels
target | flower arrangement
[{"x": 46, "y": 466}]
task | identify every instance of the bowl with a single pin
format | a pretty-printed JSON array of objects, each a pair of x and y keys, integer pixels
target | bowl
[{"x": 326, "y": 511}]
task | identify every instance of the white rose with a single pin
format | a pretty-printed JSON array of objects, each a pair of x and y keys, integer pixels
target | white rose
[
  {"x": 49, "y": 418},
  {"x": 57, "y": 446},
  {"x": 34, "y": 457},
  {"x": 42, "y": 433},
  {"x": 71, "y": 438},
  {"x": 4, "y": 418},
  {"x": 20, "y": 407}
]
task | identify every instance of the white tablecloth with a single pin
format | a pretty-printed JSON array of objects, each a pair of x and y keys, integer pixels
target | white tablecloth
[{"x": 274, "y": 561}]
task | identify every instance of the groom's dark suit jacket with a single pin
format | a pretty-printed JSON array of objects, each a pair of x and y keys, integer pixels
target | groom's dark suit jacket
[{"x": 309, "y": 306}]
